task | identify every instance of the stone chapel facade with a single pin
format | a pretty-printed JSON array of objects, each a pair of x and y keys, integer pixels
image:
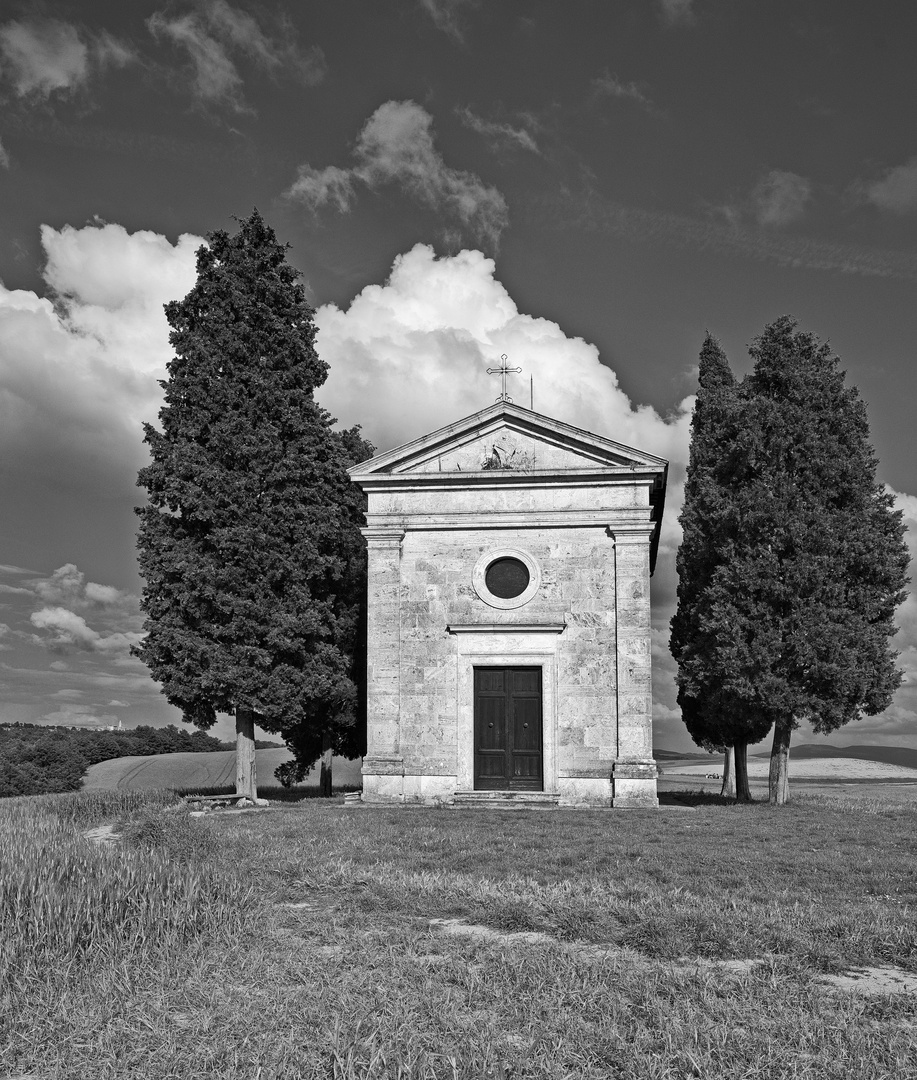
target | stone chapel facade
[{"x": 509, "y": 614}]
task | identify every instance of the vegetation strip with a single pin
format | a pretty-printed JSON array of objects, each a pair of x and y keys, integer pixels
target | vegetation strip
[{"x": 629, "y": 940}]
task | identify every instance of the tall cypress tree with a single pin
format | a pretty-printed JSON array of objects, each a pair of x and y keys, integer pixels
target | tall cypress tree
[
  {"x": 810, "y": 556},
  {"x": 249, "y": 542},
  {"x": 817, "y": 565},
  {"x": 715, "y": 717}
]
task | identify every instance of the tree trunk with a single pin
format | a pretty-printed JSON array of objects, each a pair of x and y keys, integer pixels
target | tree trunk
[
  {"x": 324, "y": 781},
  {"x": 728, "y": 790},
  {"x": 246, "y": 787},
  {"x": 743, "y": 792},
  {"x": 778, "y": 778}
]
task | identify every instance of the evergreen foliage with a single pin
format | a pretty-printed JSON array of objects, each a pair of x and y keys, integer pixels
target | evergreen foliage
[
  {"x": 714, "y": 717},
  {"x": 788, "y": 614},
  {"x": 249, "y": 543}
]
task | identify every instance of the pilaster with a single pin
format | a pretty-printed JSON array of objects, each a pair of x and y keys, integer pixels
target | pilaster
[
  {"x": 634, "y": 771},
  {"x": 383, "y": 765}
]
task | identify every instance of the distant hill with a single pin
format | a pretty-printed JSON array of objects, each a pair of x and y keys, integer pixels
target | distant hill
[
  {"x": 678, "y": 755},
  {"x": 202, "y": 771},
  {"x": 889, "y": 755}
]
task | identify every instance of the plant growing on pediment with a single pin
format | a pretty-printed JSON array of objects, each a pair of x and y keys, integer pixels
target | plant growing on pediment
[{"x": 500, "y": 458}]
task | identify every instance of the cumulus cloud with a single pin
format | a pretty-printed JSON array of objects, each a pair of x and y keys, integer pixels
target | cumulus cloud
[
  {"x": 677, "y": 12},
  {"x": 896, "y": 191},
  {"x": 608, "y": 85},
  {"x": 417, "y": 348},
  {"x": 43, "y": 57},
  {"x": 396, "y": 147},
  {"x": 214, "y": 35},
  {"x": 66, "y": 600},
  {"x": 446, "y": 15},
  {"x": 80, "y": 366},
  {"x": 780, "y": 198},
  {"x": 500, "y": 136},
  {"x": 65, "y": 629},
  {"x": 68, "y": 586}
]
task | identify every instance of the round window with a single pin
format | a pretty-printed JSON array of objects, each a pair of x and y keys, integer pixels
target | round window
[{"x": 507, "y": 578}]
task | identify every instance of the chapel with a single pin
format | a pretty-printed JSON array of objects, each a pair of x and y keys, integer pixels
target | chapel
[{"x": 509, "y": 644}]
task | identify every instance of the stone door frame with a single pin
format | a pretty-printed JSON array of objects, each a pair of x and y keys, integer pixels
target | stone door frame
[{"x": 488, "y": 647}]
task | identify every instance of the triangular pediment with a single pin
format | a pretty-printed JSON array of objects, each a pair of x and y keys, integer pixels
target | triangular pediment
[{"x": 506, "y": 437}]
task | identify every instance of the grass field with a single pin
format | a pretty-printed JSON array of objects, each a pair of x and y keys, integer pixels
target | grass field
[{"x": 425, "y": 943}]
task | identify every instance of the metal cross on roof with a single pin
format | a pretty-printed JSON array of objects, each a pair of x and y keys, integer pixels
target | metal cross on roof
[{"x": 503, "y": 371}]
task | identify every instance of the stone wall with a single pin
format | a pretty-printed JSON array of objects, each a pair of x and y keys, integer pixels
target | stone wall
[{"x": 583, "y": 518}]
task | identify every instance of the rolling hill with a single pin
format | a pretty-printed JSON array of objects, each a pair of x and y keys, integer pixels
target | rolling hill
[
  {"x": 201, "y": 771},
  {"x": 889, "y": 755}
]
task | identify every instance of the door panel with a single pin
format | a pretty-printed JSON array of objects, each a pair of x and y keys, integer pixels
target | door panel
[{"x": 508, "y": 729}]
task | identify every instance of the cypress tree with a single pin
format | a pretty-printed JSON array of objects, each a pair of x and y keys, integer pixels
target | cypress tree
[
  {"x": 249, "y": 542},
  {"x": 816, "y": 565},
  {"x": 716, "y": 718}
]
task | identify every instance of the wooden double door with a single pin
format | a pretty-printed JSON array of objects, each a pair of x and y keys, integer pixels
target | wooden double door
[{"x": 508, "y": 752}]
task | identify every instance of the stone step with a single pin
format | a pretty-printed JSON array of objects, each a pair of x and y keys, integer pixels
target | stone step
[{"x": 505, "y": 800}]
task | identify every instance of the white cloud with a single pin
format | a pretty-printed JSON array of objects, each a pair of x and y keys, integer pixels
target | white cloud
[
  {"x": 4, "y": 157},
  {"x": 65, "y": 629},
  {"x": 396, "y": 146},
  {"x": 446, "y": 15},
  {"x": 896, "y": 190},
  {"x": 316, "y": 187},
  {"x": 215, "y": 33},
  {"x": 66, "y": 599},
  {"x": 68, "y": 586},
  {"x": 500, "y": 136},
  {"x": 78, "y": 716},
  {"x": 42, "y": 57},
  {"x": 780, "y": 197},
  {"x": 411, "y": 355},
  {"x": 79, "y": 374},
  {"x": 608, "y": 85},
  {"x": 215, "y": 78},
  {"x": 677, "y": 12}
]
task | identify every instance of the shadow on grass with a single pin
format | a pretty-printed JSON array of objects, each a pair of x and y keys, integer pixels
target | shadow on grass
[
  {"x": 698, "y": 797},
  {"x": 271, "y": 793}
]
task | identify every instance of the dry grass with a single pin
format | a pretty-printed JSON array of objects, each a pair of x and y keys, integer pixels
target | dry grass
[{"x": 353, "y": 982}]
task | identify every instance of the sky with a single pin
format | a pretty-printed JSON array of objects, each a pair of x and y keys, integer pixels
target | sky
[{"x": 587, "y": 187}]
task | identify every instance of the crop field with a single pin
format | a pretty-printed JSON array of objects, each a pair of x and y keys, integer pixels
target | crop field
[
  {"x": 314, "y": 940},
  {"x": 205, "y": 771},
  {"x": 827, "y": 768}
]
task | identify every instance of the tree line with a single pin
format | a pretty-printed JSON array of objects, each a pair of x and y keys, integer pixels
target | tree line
[{"x": 41, "y": 760}]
